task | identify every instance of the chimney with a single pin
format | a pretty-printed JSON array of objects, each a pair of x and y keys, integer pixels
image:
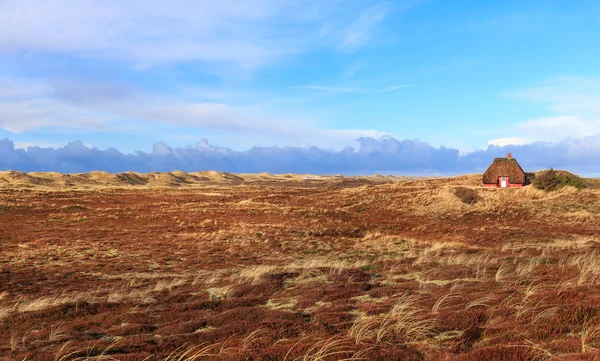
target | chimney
[{"x": 509, "y": 156}]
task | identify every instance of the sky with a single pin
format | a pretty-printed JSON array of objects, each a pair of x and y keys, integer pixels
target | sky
[{"x": 305, "y": 85}]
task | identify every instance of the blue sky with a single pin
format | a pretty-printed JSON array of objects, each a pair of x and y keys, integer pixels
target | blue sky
[{"x": 459, "y": 74}]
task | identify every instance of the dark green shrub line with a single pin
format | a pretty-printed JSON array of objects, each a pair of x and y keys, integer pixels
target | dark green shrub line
[{"x": 551, "y": 180}]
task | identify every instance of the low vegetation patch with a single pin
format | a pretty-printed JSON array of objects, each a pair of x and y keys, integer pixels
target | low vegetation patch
[
  {"x": 551, "y": 180},
  {"x": 467, "y": 195}
]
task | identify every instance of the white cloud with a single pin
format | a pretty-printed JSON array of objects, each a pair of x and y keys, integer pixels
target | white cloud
[
  {"x": 26, "y": 105},
  {"x": 577, "y": 96},
  {"x": 373, "y": 155},
  {"x": 343, "y": 136},
  {"x": 249, "y": 33},
  {"x": 574, "y": 100},
  {"x": 146, "y": 32},
  {"x": 25, "y": 145},
  {"x": 227, "y": 35},
  {"x": 32, "y": 114},
  {"x": 501, "y": 142},
  {"x": 559, "y": 127},
  {"x": 115, "y": 108}
]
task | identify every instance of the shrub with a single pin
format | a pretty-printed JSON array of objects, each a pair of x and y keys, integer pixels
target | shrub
[
  {"x": 551, "y": 180},
  {"x": 466, "y": 195},
  {"x": 529, "y": 178}
]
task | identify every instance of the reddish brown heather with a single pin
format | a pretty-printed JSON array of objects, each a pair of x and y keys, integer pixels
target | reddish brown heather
[{"x": 281, "y": 268}]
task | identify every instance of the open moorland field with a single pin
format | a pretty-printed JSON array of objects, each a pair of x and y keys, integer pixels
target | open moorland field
[{"x": 214, "y": 266}]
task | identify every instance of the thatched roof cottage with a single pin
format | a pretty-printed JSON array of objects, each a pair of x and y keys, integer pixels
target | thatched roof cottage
[{"x": 504, "y": 173}]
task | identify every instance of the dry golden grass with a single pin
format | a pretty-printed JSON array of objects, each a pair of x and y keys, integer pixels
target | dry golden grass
[
  {"x": 254, "y": 274},
  {"x": 218, "y": 292},
  {"x": 5, "y": 312},
  {"x": 286, "y": 304},
  {"x": 99, "y": 179},
  {"x": 404, "y": 321}
]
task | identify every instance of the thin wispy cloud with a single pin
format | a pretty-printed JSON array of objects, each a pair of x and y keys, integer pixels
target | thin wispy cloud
[
  {"x": 330, "y": 89},
  {"x": 353, "y": 69},
  {"x": 361, "y": 31},
  {"x": 333, "y": 89},
  {"x": 392, "y": 88}
]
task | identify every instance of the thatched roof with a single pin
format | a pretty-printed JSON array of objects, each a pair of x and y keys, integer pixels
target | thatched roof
[{"x": 504, "y": 167}]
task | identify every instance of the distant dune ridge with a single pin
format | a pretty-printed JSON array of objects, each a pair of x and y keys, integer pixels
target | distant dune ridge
[
  {"x": 100, "y": 178},
  {"x": 176, "y": 178}
]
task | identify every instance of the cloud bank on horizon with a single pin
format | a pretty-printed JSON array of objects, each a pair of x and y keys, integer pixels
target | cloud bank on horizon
[
  {"x": 385, "y": 155},
  {"x": 315, "y": 82}
]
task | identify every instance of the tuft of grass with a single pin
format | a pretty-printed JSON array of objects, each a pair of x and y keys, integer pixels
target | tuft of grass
[
  {"x": 437, "y": 306},
  {"x": 405, "y": 321},
  {"x": 329, "y": 349},
  {"x": 90, "y": 353},
  {"x": 193, "y": 353},
  {"x": 587, "y": 334},
  {"x": 485, "y": 301},
  {"x": 254, "y": 273},
  {"x": 57, "y": 332},
  {"x": 542, "y": 353},
  {"x": 169, "y": 284}
]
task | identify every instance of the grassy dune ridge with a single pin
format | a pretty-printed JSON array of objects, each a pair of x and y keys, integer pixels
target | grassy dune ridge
[
  {"x": 293, "y": 267},
  {"x": 100, "y": 179}
]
